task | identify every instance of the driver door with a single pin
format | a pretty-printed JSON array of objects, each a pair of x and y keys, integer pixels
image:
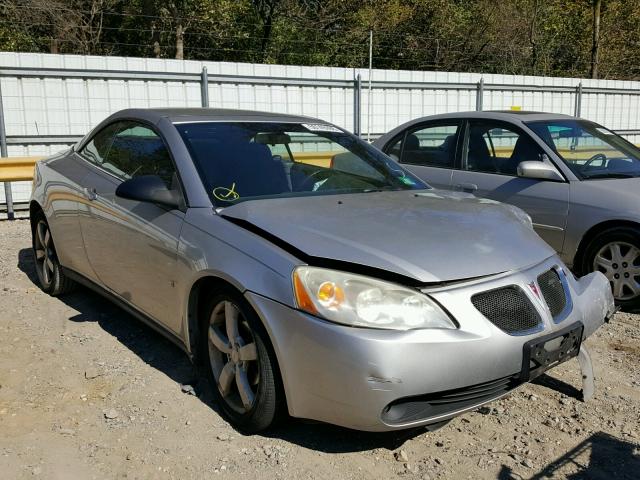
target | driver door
[
  {"x": 131, "y": 245},
  {"x": 491, "y": 153}
]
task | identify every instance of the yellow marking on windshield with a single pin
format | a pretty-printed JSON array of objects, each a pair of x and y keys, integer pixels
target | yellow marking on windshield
[{"x": 225, "y": 194}]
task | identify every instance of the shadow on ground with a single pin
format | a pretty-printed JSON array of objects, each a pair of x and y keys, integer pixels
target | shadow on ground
[
  {"x": 558, "y": 385},
  {"x": 163, "y": 355},
  {"x": 599, "y": 457}
]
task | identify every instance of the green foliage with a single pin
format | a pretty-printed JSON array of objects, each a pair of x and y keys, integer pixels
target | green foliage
[{"x": 537, "y": 37}]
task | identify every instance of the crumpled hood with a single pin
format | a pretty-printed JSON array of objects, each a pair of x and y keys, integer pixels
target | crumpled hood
[{"x": 430, "y": 236}]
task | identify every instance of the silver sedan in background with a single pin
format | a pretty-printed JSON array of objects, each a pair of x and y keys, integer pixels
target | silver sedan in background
[
  {"x": 576, "y": 179},
  {"x": 305, "y": 270}
]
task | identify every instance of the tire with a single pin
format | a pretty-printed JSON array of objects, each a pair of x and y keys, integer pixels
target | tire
[
  {"x": 616, "y": 253},
  {"x": 50, "y": 274},
  {"x": 230, "y": 367}
]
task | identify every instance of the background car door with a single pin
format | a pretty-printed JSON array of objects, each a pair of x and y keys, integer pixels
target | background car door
[
  {"x": 492, "y": 151},
  {"x": 131, "y": 245},
  {"x": 428, "y": 150}
]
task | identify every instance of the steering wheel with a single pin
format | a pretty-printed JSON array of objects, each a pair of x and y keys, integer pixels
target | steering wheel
[
  {"x": 597, "y": 156},
  {"x": 315, "y": 177}
]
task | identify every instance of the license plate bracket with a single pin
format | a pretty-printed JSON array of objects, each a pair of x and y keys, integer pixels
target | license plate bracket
[{"x": 543, "y": 353}]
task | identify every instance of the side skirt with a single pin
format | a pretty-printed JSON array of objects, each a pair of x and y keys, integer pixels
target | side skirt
[{"x": 112, "y": 297}]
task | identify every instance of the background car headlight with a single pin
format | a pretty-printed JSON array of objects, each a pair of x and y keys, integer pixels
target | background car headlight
[{"x": 363, "y": 301}]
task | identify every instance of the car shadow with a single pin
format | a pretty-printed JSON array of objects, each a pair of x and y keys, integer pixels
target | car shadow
[
  {"x": 558, "y": 385},
  {"x": 160, "y": 353},
  {"x": 599, "y": 457}
]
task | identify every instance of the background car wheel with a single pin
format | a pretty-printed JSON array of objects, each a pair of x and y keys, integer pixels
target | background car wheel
[
  {"x": 616, "y": 253},
  {"x": 240, "y": 363},
  {"x": 52, "y": 278}
]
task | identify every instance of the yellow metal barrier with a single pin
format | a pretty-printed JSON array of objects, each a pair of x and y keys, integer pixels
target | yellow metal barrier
[{"x": 16, "y": 169}]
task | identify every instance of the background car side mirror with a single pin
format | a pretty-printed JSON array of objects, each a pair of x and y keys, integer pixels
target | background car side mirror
[
  {"x": 148, "y": 188},
  {"x": 539, "y": 170}
]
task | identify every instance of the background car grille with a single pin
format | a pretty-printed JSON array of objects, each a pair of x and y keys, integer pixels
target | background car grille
[
  {"x": 553, "y": 291},
  {"x": 508, "y": 308}
]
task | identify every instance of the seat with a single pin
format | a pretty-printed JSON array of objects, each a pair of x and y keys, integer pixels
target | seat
[
  {"x": 412, "y": 142},
  {"x": 248, "y": 166},
  {"x": 411, "y": 151},
  {"x": 478, "y": 158},
  {"x": 524, "y": 150}
]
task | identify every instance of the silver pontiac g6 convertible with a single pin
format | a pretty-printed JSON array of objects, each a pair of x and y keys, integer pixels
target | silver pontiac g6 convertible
[{"x": 305, "y": 270}]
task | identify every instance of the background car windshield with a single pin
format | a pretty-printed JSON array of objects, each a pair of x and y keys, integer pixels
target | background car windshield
[
  {"x": 590, "y": 151},
  {"x": 241, "y": 161}
]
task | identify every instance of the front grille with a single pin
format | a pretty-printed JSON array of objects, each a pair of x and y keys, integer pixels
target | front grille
[
  {"x": 508, "y": 308},
  {"x": 410, "y": 409},
  {"x": 553, "y": 291}
]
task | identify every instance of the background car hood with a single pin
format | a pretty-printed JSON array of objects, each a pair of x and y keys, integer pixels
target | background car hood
[{"x": 431, "y": 236}]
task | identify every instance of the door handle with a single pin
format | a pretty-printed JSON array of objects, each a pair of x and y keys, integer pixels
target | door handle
[
  {"x": 466, "y": 187},
  {"x": 90, "y": 193}
]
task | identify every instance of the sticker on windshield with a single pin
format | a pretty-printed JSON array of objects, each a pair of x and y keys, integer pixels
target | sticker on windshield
[
  {"x": 604, "y": 131},
  {"x": 321, "y": 127},
  {"x": 407, "y": 181}
]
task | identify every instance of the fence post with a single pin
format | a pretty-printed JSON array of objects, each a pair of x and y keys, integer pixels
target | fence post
[
  {"x": 357, "y": 99},
  {"x": 204, "y": 87},
  {"x": 578, "y": 100},
  {"x": 479, "y": 95},
  {"x": 3, "y": 153}
]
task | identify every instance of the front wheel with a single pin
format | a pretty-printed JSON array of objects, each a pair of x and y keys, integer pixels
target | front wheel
[
  {"x": 616, "y": 253},
  {"x": 241, "y": 364}
]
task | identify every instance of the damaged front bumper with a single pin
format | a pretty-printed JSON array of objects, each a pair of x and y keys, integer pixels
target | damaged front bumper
[{"x": 379, "y": 380}]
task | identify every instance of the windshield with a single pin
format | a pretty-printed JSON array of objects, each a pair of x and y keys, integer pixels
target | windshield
[
  {"x": 246, "y": 161},
  {"x": 590, "y": 151}
]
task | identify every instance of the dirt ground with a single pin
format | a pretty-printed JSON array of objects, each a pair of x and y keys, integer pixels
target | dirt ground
[{"x": 87, "y": 392}]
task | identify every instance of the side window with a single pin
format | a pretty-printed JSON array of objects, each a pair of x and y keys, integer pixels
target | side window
[
  {"x": 433, "y": 145},
  {"x": 95, "y": 151},
  {"x": 137, "y": 150},
  {"x": 496, "y": 148}
]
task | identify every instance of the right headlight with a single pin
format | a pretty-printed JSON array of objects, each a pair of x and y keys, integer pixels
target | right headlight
[{"x": 362, "y": 301}]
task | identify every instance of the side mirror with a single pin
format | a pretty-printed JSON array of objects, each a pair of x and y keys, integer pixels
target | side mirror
[
  {"x": 148, "y": 188},
  {"x": 539, "y": 170}
]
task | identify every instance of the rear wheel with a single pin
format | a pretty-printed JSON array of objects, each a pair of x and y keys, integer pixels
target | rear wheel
[
  {"x": 240, "y": 363},
  {"x": 52, "y": 279},
  {"x": 616, "y": 253}
]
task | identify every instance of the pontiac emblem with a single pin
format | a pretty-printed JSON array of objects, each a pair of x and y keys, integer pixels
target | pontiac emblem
[{"x": 534, "y": 289}]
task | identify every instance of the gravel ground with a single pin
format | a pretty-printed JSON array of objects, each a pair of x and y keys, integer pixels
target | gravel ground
[{"x": 86, "y": 392}]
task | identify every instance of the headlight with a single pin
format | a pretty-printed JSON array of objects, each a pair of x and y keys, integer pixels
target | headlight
[{"x": 362, "y": 301}]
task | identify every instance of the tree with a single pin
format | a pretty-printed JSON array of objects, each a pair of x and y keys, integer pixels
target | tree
[
  {"x": 595, "y": 46},
  {"x": 550, "y": 37}
]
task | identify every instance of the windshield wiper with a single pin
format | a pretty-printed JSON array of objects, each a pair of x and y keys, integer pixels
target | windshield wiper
[{"x": 610, "y": 175}]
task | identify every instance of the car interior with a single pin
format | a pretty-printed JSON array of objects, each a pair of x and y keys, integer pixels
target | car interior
[
  {"x": 485, "y": 156},
  {"x": 265, "y": 164},
  {"x": 440, "y": 156}
]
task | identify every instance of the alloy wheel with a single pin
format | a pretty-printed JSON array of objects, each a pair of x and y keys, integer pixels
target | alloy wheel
[
  {"x": 44, "y": 252},
  {"x": 620, "y": 263},
  {"x": 233, "y": 356}
]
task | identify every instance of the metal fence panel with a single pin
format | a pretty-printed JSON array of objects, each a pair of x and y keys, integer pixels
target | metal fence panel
[{"x": 66, "y": 95}]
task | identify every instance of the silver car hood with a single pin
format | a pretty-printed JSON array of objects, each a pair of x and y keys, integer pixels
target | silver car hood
[{"x": 430, "y": 236}]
